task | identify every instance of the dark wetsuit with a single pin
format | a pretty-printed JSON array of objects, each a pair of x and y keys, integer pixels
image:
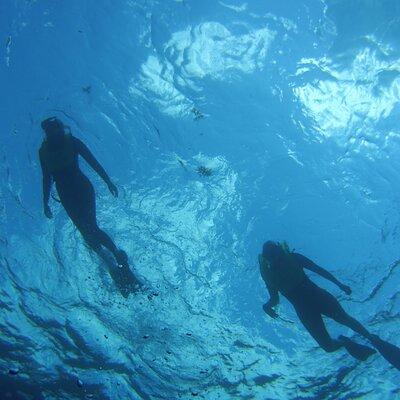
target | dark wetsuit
[
  {"x": 309, "y": 300},
  {"x": 74, "y": 188},
  {"x": 283, "y": 272},
  {"x": 310, "y": 303}
]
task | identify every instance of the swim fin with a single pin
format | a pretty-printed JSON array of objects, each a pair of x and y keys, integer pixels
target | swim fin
[
  {"x": 358, "y": 351},
  {"x": 388, "y": 351}
]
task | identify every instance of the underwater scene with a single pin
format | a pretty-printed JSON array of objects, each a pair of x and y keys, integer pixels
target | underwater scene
[{"x": 200, "y": 199}]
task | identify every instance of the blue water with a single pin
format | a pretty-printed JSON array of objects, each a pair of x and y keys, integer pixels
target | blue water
[{"x": 292, "y": 105}]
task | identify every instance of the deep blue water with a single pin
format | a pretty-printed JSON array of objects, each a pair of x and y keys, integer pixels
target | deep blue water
[{"x": 293, "y": 107}]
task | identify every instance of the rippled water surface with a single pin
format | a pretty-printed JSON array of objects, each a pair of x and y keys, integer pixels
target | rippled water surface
[{"x": 224, "y": 124}]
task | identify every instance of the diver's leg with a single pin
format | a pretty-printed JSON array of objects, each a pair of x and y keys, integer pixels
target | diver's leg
[
  {"x": 104, "y": 240},
  {"x": 352, "y": 323},
  {"x": 331, "y": 307},
  {"x": 100, "y": 237},
  {"x": 97, "y": 236},
  {"x": 312, "y": 321},
  {"x": 78, "y": 198},
  {"x": 80, "y": 205},
  {"x": 84, "y": 227},
  {"x": 306, "y": 306}
]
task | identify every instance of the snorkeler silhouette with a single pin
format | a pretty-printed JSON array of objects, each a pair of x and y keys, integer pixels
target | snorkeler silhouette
[
  {"x": 59, "y": 161},
  {"x": 283, "y": 272}
]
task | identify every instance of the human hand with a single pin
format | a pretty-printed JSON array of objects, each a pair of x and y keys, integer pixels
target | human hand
[
  {"x": 113, "y": 189},
  {"x": 47, "y": 211},
  {"x": 270, "y": 311},
  {"x": 346, "y": 289}
]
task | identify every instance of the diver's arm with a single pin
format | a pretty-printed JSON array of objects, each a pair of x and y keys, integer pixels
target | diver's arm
[
  {"x": 91, "y": 160},
  {"x": 310, "y": 265},
  {"x": 273, "y": 296},
  {"x": 272, "y": 302},
  {"x": 273, "y": 292},
  {"x": 46, "y": 184}
]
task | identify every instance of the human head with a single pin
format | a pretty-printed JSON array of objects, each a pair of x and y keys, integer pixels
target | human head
[
  {"x": 272, "y": 250},
  {"x": 53, "y": 127}
]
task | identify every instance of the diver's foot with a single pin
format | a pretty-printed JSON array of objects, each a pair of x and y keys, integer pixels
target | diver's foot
[
  {"x": 358, "y": 351},
  {"x": 122, "y": 258}
]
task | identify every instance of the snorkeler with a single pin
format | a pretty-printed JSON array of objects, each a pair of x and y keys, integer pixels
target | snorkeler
[
  {"x": 59, "y": 161},
  {"x": 283, "y": 272}
]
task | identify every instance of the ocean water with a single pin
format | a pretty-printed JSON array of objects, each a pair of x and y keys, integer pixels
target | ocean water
[{"x": 224, "y": 124}]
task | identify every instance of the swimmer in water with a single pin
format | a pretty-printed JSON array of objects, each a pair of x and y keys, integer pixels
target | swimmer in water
[
  {"x": 283, "y": 272},
  {"x": 59, "y": 155}
]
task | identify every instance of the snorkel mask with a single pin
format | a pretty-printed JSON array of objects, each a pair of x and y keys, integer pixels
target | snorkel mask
[
  {"x": 52, "y": 126},
  {"x": 273, "y": 250},
  {"x": 55, "y": 131}
]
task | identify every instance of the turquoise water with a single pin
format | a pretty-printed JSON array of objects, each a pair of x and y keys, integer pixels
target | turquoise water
[{"x": 293, "y": 109}]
